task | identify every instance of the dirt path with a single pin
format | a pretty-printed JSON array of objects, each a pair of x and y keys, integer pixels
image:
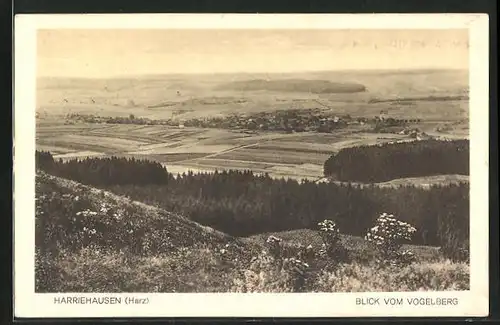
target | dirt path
[{"x": 271, "y": 138}]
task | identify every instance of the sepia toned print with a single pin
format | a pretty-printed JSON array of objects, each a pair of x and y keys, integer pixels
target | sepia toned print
[
  {"x": 117, "y": 113},
  {"x": 219, "y": 160}
]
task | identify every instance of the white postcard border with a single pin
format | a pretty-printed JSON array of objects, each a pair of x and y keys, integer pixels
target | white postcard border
[{"x": 29, "y": 304}]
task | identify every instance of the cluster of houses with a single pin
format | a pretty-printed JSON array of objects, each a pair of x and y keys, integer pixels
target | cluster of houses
[
  {"x": 303, "y": 120},
  {"x": 89, "y": 118},
  {"x": 298, "y": 120},
  {"x": 291, "y": 120},
  {"x": 288, "y": 121}
]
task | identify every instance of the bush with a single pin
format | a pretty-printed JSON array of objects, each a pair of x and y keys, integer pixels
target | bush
[
  {"x": 388, "y": 235},
  {"x": 454, "y": 234},
  {"x": 288, "y": 260},
  {"x": 331, "y": 248},
  {"x": 457, "y": 253},
  {"x": 263, "y": 275}
]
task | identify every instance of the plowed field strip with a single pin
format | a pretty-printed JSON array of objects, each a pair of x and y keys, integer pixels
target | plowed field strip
[
  {"x": 296, "y": 150},
  {"x": 128, "y": 136},
  {"x": 285, "y": 157},
  {"x": 237, "y": 161},
  {"x": 171, "y": 134},
  {"x": 53, "y": 149},
  {"x": 80, "y": 146},
  {"x": 233, "y": 163}
]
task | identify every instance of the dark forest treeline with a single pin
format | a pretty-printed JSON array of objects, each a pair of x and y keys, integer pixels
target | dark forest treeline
[
  {"x": 380, "y": 163},
  {"x": 105, "y": 171},
  {"x": 241, "y": 203}
]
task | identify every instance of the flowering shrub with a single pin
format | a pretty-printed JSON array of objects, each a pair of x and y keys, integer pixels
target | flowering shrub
[
  {"x": 296, "y": 265},
  {"x": 405, "y": 257},
  {"x": 298, "y": 269},
  {"x": 331, "y": 247},
  {"x": 267, "y": 274},
  {"x": 225, "y": 254},
  {"x": 281, "y": 250},
  {"x": 388, "y": 235},
  {"x": 262, "y": 275},
  {"x": 290, "y": 259},
  {"x": 329, "y": 232},
  {"x": 275, "y": 246},
  {"x": 307, "y": 253},
  {"x": 224, "y": 251}
]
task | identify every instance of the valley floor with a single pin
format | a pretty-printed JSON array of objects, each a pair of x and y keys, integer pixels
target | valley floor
[{"x": 296, "y": 155}]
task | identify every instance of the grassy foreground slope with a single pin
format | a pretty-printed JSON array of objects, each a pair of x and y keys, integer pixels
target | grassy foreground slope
[
  {"x": 125, "y": 246},
  {"x": 360, "y": 250},
  {"x": 90, "y": 240}
]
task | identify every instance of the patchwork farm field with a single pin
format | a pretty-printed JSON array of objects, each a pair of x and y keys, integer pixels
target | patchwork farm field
[
  {"x": 439, "y": 98},
  {"x": 299, "y": 155}
]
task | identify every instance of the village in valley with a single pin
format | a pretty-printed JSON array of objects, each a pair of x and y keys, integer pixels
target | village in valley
[{"x": 288, "y": 121}]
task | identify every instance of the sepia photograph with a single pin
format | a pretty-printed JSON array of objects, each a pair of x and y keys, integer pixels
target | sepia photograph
[{"x": 209, "y": 159}]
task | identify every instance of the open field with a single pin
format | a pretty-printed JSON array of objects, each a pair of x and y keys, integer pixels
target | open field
[
  {"x": 427, "y": 181},
  {"x": 297, "y": 155}
]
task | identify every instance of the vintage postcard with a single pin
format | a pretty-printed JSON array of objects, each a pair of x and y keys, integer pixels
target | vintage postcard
[{"x": 251, "y": 165}]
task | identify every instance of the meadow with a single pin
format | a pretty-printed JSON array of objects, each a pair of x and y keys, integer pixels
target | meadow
[{"x": 153, "y": 250}]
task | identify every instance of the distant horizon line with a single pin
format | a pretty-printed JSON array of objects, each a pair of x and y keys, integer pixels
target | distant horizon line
[{"x": 124, "y": 76}]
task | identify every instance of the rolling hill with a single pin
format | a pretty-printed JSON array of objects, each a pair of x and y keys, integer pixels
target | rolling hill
[
  {"x": 194, "y": 96},
  {"x": 90, "y": 240},
  {"x": 125, "y": 246},
  {"x": 181, "y": 231},
  {"x": 294, "y": 85}
]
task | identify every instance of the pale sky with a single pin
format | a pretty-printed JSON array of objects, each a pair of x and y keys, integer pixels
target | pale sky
[{"x": 107, "y": 53}]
